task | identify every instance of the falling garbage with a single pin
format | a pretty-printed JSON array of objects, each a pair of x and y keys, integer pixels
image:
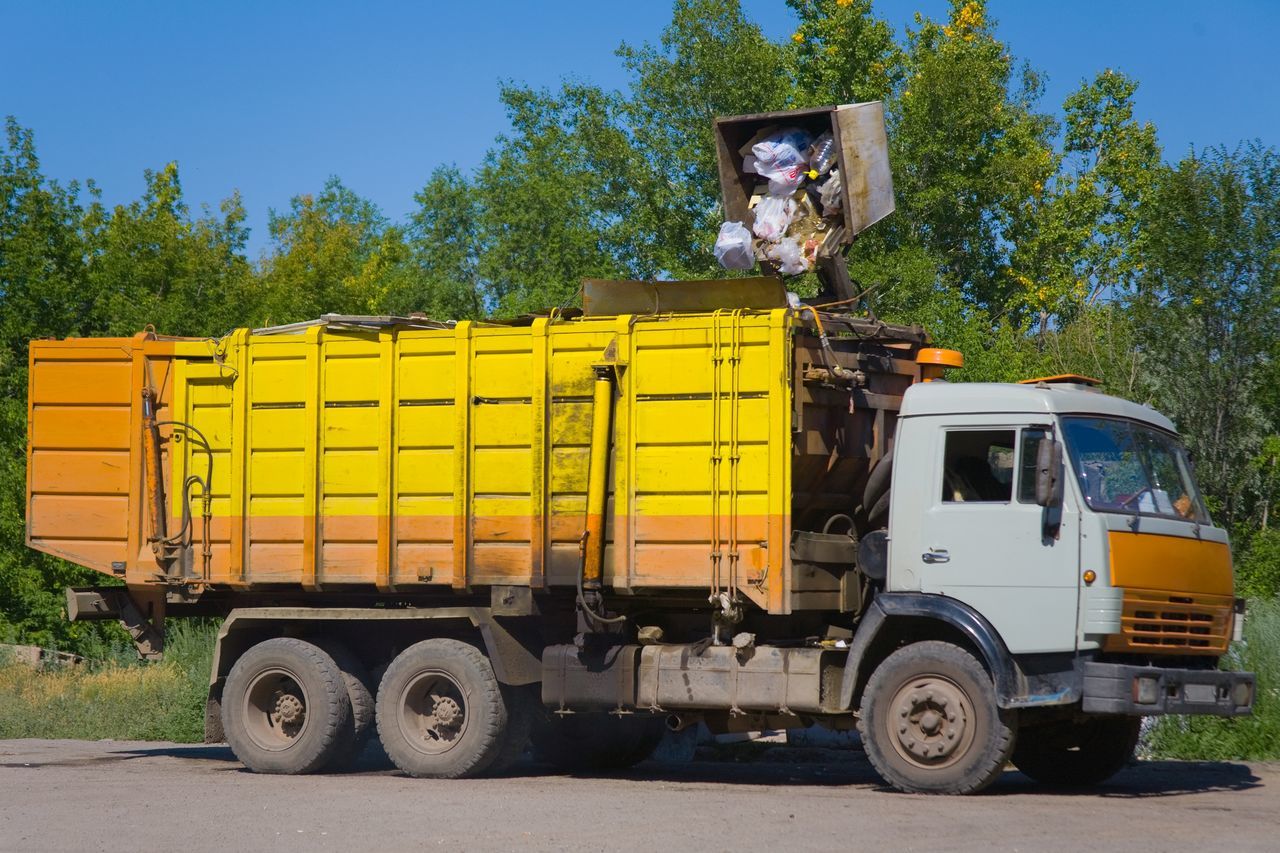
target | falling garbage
[
  {"x": 799, "y": 186},
  {"x": 795, "y": 203},
  {"x": 773, "y": 217},
  {"x": 733, "y": 247}
]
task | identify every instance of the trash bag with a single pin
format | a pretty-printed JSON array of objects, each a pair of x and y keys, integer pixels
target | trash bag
[
  {"x": 733, "y": 247},
  {"x": 773, "y": 216},
  {"x": 782, "y": 158},
  {"x": 831, "y": 194},
  {"x": 788, "y": 255}
]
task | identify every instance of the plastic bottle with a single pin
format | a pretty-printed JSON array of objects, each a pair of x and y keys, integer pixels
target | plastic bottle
[{"x": 822, "y": 155}]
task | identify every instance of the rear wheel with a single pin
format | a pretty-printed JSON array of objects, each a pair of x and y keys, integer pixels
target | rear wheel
[
  {"x": 596, "y": 743},
  {"x": 285, "y": 707},
  {"x": 1077, "y": 754},
  {"x": 930, "y": 723},
  {"x": 440, "y": 710},
  {"x": 356, "y": 679}
]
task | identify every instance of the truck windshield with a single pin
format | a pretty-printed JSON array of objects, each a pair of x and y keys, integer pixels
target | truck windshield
[{"x": 1128, "y": 467}]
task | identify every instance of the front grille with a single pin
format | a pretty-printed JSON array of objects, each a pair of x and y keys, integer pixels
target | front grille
[{"x": 1173, "y": 623}]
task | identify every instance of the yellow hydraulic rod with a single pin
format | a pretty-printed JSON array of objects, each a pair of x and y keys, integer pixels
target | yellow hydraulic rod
[
  {"x": 597, "y": 478},
  {"x": 152, "y": 464}
]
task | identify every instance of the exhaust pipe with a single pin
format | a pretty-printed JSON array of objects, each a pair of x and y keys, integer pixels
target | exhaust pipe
[{"x": 680, "y": 722}]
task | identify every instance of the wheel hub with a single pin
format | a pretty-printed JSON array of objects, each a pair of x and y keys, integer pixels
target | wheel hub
[
  {"x": 275, "y": 709},
  {"x": 448, "y": 713},
  {"x": 288, "y": 708},
  {"x": 433, "y": 712},
  {"x": 931, "y": 724}
]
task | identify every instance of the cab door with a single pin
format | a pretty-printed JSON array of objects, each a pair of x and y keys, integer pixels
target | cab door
[{"x": 964, "y": 523}]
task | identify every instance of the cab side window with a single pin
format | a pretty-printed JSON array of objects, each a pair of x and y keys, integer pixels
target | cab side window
[
  {"x": 978, "y": 466},
  {"x": 1027, "y": 475}
]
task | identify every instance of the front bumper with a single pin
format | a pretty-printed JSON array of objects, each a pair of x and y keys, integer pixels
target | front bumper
[{"x": 1116, "y": 688}]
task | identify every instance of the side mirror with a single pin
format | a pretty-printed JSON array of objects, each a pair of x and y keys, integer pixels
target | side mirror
[{"x": 1048, "y": 472}]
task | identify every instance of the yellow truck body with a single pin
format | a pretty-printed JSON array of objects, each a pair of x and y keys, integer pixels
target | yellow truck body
[{"x": 405, "y": 458}]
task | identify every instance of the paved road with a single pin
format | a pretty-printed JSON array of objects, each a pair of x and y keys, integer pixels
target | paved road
[{"x": 128, "y": 796}]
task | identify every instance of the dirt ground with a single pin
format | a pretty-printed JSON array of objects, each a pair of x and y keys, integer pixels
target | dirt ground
[{"x": 128, "y": 796}]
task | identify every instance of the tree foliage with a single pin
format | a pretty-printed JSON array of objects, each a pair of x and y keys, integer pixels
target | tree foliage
[
  {"x": 1207, "y": 309},
  {"x": 1036, "y": 238}
]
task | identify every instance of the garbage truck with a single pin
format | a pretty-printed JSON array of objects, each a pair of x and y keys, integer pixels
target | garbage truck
[{"x": 684, "y": 503}]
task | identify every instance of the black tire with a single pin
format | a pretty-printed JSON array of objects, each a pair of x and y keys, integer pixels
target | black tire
[
  {"x": 1077, "y": 753},
  {"x": 878, "y": 515},
  {"x": 596, "y": 743},
  {"x": 285, "y": 707},
  {"x": 440, "y": 711},
  {"x": 930, "y": 724},
  {"x": 356, "y": 678},
  {"x": 878, "y": 481}
]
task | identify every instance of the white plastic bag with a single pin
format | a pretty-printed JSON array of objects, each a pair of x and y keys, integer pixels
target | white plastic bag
[
  {"x": 773, "y": 216},
  {"x": 790, "y": 259},
  {"x": 830, "y": 193},
  {"x": 733, "y": 247},
  {"x": 782, "y": 159}
]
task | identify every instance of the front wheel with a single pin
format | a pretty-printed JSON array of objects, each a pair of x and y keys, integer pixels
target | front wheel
[
  {"x": 1077, "y": 754},
  {"x": 930, "y": 723}
]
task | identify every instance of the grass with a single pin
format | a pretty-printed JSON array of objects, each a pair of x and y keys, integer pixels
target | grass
[
  {"x": 1256, "y": 737},
  {"x": 117, "y": 698}
]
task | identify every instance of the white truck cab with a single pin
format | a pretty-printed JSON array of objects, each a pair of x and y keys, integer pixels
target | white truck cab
[{"x": 978, "y": 516}]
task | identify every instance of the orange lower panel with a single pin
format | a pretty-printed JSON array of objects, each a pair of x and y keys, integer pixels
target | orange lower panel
[{"x": 662, "y": 550}]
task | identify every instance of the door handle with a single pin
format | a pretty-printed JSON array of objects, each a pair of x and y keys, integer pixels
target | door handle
[{"x": 937, "y": 555}]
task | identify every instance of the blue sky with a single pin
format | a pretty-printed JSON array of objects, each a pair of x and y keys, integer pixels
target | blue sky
[{"x": 272, "y": 97}]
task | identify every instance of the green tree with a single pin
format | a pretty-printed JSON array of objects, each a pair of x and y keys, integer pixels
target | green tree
[
  {"x": 1081, "y": 240},
  {"x": 841, "y": 53},
  {"x": 334, "y": 252},
  {"x": 1207, "y": 310},
  {"x": 70, "y": 268},
  {"x": 547, "y": 208},
  {"x": 44, "y": 290},
  {"x": 443, "y": 276},
  {"x": 969, "y": 150},
  {"x": 711, "y": 61},
  {"x": 151, "y": 263}
]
